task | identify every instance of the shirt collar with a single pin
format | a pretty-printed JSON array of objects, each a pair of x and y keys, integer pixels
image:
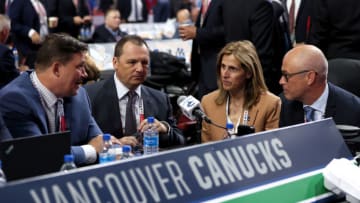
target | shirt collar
[
  {"x": 122, "y": 90},
  {"x": 320, "y": 103},
  {"x": 48, "y": 97}
]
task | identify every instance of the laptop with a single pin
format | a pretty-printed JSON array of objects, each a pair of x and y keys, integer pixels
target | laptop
[{"x": 32, "y": 156}]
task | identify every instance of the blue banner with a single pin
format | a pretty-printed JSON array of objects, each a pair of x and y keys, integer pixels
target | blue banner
[{"x": 192, "y": 174}]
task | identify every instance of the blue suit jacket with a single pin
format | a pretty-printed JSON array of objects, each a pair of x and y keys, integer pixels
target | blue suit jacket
[
  {"x": 24, "y": 114},
  {"x": 24, "y": 17},
  {"x": 106, "y": 111},
  {"x": 342, "y": 106}
]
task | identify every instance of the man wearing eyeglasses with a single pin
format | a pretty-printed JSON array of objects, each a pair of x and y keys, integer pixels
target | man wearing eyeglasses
[{"x": 308, "y": 96}]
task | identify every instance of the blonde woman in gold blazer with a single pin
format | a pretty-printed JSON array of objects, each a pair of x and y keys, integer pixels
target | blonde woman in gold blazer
[{"x": 242, "y": 97}]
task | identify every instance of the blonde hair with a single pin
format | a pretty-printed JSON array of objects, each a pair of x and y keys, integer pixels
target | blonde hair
[{"x": 245, "y": 53}]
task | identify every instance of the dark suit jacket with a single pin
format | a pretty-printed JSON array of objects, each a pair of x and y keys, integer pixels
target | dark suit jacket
[
  {"x": 209, "y": 41},
  {"x": 343, "y": 106},
  {"x": 336, "y": 27},
  {"x": 2, "y": 6},
  {"x": 303, "y": 20},
  {"x": 66, "y": 11},
  {"x": 23, "y": 18},
  {"x": 102, "y": 35},
  {"x": 251, "y": 20},
  {"x": 24, "y": 114},
  {"x": 8, "y": 70},
  {"x": 105, "y": 109},
  {"x": 4, "y": 132},
  {"x": 124, "y": 6}
]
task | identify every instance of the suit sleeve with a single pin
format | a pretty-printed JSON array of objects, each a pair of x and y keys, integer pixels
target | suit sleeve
[
  {"x": 205, "y": 127},
  {"x": 7, "y": 66},
  {"x": 16, "y": 15},
  {"x": 18, "y": 117},
  {"x": 320, "y": 26},
  {"x": 213, "y": 34},
  {"x": 175, "y": 135},
  {"x": 261, "y": 30}
]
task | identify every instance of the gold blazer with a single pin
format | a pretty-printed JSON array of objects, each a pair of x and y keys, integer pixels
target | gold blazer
[{"x": 264, "y": 115}]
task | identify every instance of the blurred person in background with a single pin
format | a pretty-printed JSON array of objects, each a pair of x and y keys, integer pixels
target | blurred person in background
[
  {"x": 29, "y": 27},
  {"x": 109, "y": 31},
  {"x": 8, "y": 71}
]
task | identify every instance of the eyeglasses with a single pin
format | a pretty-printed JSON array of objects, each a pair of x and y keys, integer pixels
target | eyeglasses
[{"x": 287, "y": 76}]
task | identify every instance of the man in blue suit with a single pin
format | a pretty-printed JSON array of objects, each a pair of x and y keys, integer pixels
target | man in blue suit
[
  {"x": 304, "y": 81},
  {"x": 110, "y": 98},
  {"x": 28, "y": 27},
  {"x": 31, "y": 103}
]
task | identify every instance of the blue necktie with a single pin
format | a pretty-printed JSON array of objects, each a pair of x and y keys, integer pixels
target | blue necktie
[{"x": 309, "y": 113}]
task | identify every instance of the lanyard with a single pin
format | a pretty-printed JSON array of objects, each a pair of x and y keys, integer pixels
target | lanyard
[
  {"x": 245, "y": 115},
  {"x": 141, "y": 110}
]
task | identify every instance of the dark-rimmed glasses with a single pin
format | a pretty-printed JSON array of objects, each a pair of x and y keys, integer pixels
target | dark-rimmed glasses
[{"x": 289, "y": 75}]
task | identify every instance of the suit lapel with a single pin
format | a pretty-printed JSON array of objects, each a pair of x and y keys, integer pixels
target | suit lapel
[
  {"x": 109, "y": 102},
  {"x": 33, "y": 93}
]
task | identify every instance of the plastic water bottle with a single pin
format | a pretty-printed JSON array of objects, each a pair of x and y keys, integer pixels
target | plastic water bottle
[
  {"x": 68, "y": 163},
  {"x": 108, "y": 153},
  {"x": 2, "y": 176},
  {"x": 230, "y": 130},
  {"x": 151, "y": 138},
  {"x": 126, "y": 149},
  {"x": 16, "y": 57}
]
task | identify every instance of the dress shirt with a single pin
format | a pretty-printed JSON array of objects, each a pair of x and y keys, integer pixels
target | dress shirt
[
  {"x": 48, "y": 100},
  {"x": 320, "y": 104},
  {"x": 122, "y": 91},
  {"x": 136, "y": 11},
  {"x": 297, "y": 6}
]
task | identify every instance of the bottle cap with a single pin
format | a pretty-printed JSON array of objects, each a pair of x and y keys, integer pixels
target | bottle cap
[
  {"x": 229, "y": 126},
  {"x": 126, "y": 148},
  {"x": 150, "y": 119},
  {"x": 106, "y": 137},
  {"x": 68, "y": 158}
]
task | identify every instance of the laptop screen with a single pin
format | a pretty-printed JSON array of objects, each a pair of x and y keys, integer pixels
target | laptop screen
[{"x": 32, "y": 156}]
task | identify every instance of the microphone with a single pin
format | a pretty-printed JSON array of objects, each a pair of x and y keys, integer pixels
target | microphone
[{"x": 191, "y": 108}]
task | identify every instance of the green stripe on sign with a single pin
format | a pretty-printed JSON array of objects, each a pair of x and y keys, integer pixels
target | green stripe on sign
[{"x": 290, "y": 192}]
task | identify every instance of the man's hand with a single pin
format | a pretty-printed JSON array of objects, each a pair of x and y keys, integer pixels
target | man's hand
[
  {"x": 97, "y": 143},
  {"x": 35, "y": 38},
  {"x": 187, "y": 32},
  {"x": 161, "y": 127},
  {"x": 129, "y": 140},
  {"x": 87, "y": 19},
  {"x": 78, "y": 20}
]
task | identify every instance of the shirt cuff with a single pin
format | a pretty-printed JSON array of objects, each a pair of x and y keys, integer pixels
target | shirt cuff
[
  {"x": 31, "y": 32},
  {"x": 90, "y": 153},
  {"x": 167, "y": 125}
]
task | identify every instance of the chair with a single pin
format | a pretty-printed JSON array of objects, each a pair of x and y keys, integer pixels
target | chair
[{"x": 345, "y": 73}]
